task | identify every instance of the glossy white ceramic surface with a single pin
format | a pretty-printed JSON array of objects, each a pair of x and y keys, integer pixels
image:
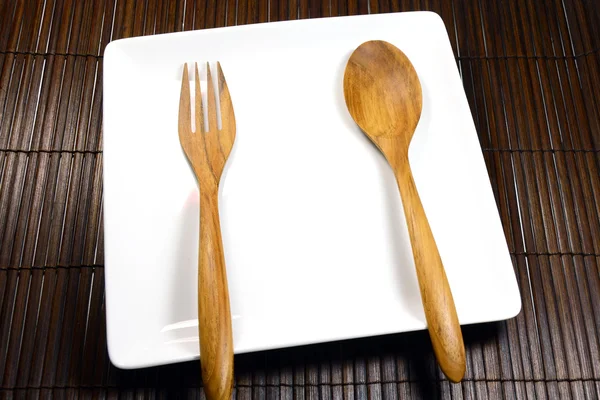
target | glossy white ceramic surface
[{"x": 314, "y": 234}]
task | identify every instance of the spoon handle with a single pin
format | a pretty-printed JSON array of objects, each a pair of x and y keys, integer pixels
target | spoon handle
[{"x": 440, "y": 312}]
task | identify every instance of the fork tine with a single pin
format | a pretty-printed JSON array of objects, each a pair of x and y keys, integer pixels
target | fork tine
[
  {"x": 185, "y": 119},
  {"x": 199, "y": 110},
  {"x": 227, "y": 115},
  {"x": 212, "y": 109}
]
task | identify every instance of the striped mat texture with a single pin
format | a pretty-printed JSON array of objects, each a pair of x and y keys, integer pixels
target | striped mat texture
[{"x": 531, "y": 71}]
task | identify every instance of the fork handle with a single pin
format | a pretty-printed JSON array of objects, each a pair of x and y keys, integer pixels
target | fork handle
[{"x": 214, "y": 315}]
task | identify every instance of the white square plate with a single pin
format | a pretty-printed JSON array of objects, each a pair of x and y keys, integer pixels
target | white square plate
[{"x": 313, "y": 229}]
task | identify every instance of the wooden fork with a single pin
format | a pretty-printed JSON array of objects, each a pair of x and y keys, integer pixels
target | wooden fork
[{"x": 208, "y": 151}]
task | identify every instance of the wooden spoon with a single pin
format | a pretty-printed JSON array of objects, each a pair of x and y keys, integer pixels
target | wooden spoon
[{"x": 383, "y": 94}]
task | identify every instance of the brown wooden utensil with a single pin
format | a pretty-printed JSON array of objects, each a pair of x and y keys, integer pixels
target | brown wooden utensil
[
  {"x": 383, "y": 95},
  {"x": 207, "y": 152}
]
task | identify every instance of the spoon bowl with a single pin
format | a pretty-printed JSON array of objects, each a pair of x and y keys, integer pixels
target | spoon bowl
[
  {"x": 381, "y": 81},
  {"x": 384, "y": 97}
]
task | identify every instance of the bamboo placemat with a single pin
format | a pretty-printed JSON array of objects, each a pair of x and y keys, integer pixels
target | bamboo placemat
[{"x": 531, "y": 71}]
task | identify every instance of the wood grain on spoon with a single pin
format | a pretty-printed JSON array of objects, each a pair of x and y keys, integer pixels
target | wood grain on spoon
[{"x": 383, "y": 95}]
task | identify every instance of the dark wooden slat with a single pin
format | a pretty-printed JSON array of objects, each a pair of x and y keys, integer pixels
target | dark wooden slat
[
  {"x": 312, "y": 378},
  {"x": 389, "y": 375},
  {"x": 47, "y": 188},
  {"x": 71, "y": 371},
  {"x": 491, "y": 356},
  {"x": 199, "y": 15},
  {"x": 93, "y": 45},
  {"x": 3, "y": 56},
  {"x": 509, "y": 363},
  {"x": 99, "y": 248},
  {"x": 211, "y": 12},
  {"x": 93, "y": 136},
  {"x": 363, "y": 7},
  {"x": 73, "y": 303},
  {"x": 64, "y": 167},
  {"x": 13, "y": 184},
  {"x": 18, "y": 235},
  {"x": 6, "y": 10},
  {"x": 58, "y": 26},
  {"x": 108, "y": 21},
  {"x": 475, "y": 361},
  {"x": 10, "y": 81},
  {"x": 582, "y": 305},
  {"x": 242, "y": 12},
  {"x": 304, "y": 9},
  {"x": 555, "y": 15},
  {"x": 42, "y": 328},
  {"x": 588, "y": 74},
  {"x": 139, "y": 16},
  {"x": 11, "y": 316},
  {"x": 87, "y": 218},
  {"x": 7, "y": 18},
  {"x": 585, "y": 225},
  {"x": 324, "y": 375},
  {"x": 80, "y": 175},
  {"x": 577, "y": 390},
  {"x": 86, "y": 359},
  {"x": 173, "y": 23},
  {"x": 99, "y": 350},
  {"x": 220, "y": 16},
  {"x": 243, "y": 382},
  {"x": 15, "y": 164},
  {"x": 10, "y": 35},
  {"x": 161, "y": 20},
  {"x": 93, "y": 221},
  {"x": 263, "y": 11},
  {"x": 583, "y": 25},
  {"x": 189, "y": 11},
  {"x": 579, "y": 126},
  {"x": 149, "y": 17},
  {"x": 529, "y": 339},
  {"x": 178, "y": 9},
  {"x": 11, "y": 165},
  {"x": 403, "y": 372},
  {"x": 532, "y": 197},
  {"x": 339, "y": 7},
  {"x": 294, "y": 12},
  {"x": 259, "y": 380},
  {"x": 80, "y": 40},
  {"x": 30, "y": 27},
  {"x": 553, "y": 351},
  {"x": 591, "y": 389},
  {"x": 571, "y": 320},
  {"x": 45, "y": 27},
  {"x": 74, "y": 165},
  {"x": 543, "y": 33},
  {"x": 315, "y": 8},
  {"x": 162, "y": 17},
  {"x": 63, "y": 293},
  {"x": 76, "y": 27},
  {"x": 231, "y": 13},
  {"x": 548, "y": 202},
  {"x": 273, "y": 10},
  {"x": 31, "y": 323},
  {"x": 360, "y": 376},
  {"x": 123, "y": 19},
  {"x": 38, "y": 165},
  {"x": 463, "y": 26}
]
